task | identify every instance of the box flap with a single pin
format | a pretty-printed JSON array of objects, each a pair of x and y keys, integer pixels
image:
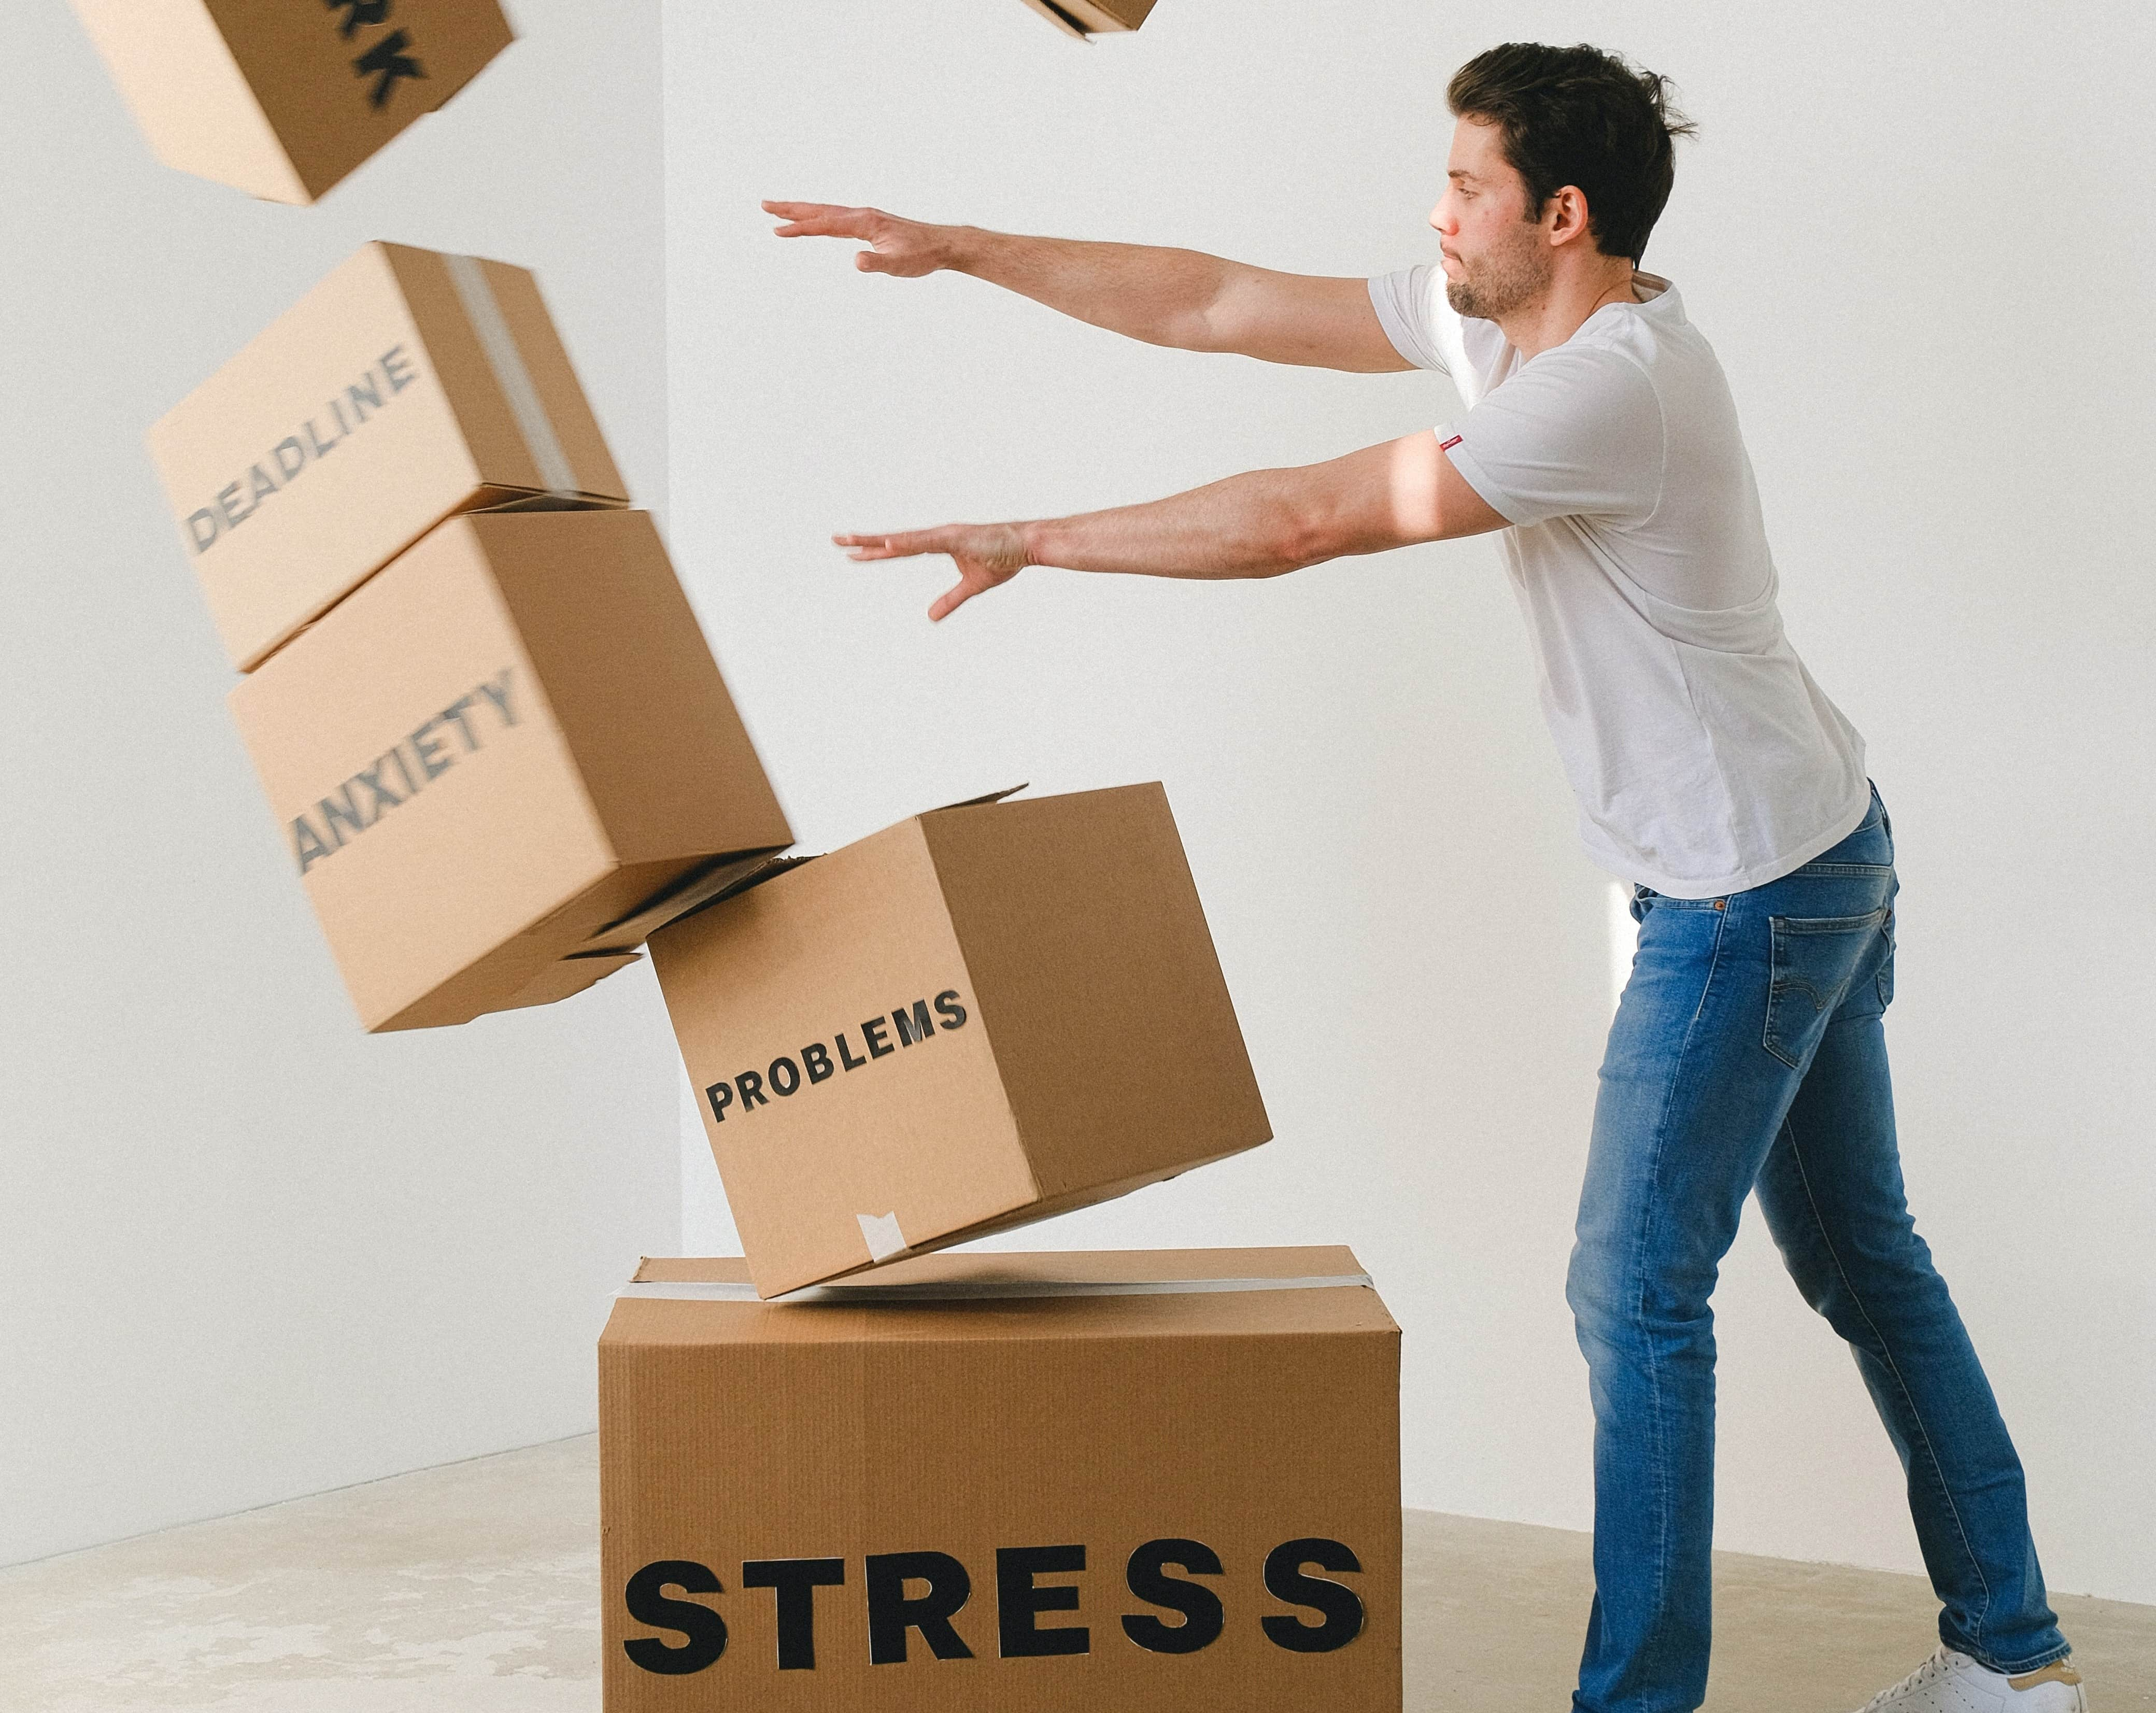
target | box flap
[
  {"x": 1061, "y": 19},
  {"x": 976, "y": 803},
  {"x": 570, "y": 977},
  {"x": 722, "y": 878}
]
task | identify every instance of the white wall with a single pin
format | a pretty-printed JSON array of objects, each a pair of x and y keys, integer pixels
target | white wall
[
  {"x": 250, "y": 1252},
  {"x": 1919, "y": 236}
]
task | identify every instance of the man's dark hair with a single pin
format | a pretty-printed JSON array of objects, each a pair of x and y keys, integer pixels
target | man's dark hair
[{"x": 1580, "y": 117}]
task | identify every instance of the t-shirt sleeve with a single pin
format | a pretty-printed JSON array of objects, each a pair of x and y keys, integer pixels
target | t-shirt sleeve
[
  {"x": 1575, "y": 433},
  {"x": 1403, "y": 303}
]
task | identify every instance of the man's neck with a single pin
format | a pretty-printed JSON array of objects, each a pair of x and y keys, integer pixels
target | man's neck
[{"x": 1552, "y": 316}]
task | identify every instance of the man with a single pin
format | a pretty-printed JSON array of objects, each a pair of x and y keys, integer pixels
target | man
[{"x": 1748, "y": 1052}]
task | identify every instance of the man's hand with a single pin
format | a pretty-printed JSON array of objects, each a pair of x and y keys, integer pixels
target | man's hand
[
  {"x": 906, "y": 249},
  {"x": 987, "y": 554}
]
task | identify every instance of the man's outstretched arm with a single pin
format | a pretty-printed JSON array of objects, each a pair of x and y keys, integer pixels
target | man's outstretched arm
[
  {"x": 1171, "y": 297},
  {"x": 1264, "y": 524}
]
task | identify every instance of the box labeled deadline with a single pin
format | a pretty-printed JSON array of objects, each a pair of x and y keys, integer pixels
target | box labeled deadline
[{"x": 405, "y": 387}]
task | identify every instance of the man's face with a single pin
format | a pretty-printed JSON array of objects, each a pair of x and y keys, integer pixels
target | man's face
[{"x": 1496, "y": 258}]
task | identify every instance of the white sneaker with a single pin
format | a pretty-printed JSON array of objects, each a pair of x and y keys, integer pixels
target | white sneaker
[{"x": 1953, "y": 1682}]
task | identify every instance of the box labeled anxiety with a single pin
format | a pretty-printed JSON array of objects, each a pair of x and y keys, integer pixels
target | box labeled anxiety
[
  {"x": 982, "y": 1017},
  {"x": 970, "y": 1484},
  {"x": 283, "y": 98},
  {"x": 406, "y": 386},
  {"x": 497, "y": 764}
]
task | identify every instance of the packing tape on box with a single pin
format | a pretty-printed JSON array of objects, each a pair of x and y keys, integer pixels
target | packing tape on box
[
  {"x": 483, "y": 311},
  {"x": 966, "y": 1290}
]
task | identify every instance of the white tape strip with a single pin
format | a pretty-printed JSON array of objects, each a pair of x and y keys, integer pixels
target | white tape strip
[
  {"x": 880, "y": 1233},
  {"x": 483, "y": 311},
  {"x": 984, "y": 1290}
]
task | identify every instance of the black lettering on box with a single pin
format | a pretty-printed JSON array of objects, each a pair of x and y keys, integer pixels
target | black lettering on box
[
  {"x": 703, "y": 1631},
  {"x": 891, "y": 1614},
  {"x": 817, "y": 1059},
  {"x": 259, "y": 488},
  {"x": 307, "y": 845},
  {"x": 1020, "y": 1601},
  {"x": 948, "y": 1009},
  {"x": 397, "y": 369},
  {"x": 340, "y": 814},
  {"x": 1339, "y": 1607},
  {"x": 290, "y": 468},
  {"x": 789, "y": 1082},
  {"x": 359, "y": 11},
  {"x": 227, "y": 498},
  {"x": 914, "y": 1025},
  {"x": 196, "y": 521},
  {"x": 722, "y": 1096},
  {"x": 846, "y": 1055},
  {"x": 361, "y": 396},
  {"x": 795, "y": 1581},
  {"x": 388, "y": 65},
  {"x": 751, "y": 1090},
  {"x": 498, "y": 693},
  {"x": 314, "y": 441},
  {"x": 1204, "y": 1618},
  {"x": 878, "y": 1042},
  {"x": 453, "y": 714},
  {"x": 385, "y": 799},
  {"x": 434, "y": 759}
]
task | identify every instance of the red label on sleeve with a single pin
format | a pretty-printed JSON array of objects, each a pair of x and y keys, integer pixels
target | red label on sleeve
[{"x": 1447, "y": 445}]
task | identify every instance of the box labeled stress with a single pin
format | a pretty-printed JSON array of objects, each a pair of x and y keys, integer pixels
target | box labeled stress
[
  {"x": 982, "y": 1017},
  {"x": 283, "y": 98},
  {"x": 974, "y": 1483},
  {"x": 501, "y": 761},
  {"x": 406, "y": 386}
]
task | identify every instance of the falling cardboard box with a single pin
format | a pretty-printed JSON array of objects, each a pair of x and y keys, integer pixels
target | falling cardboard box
[
  {"x": 1070, "y": 1484},
  {"x": 1091, "y": 17},
  {"x": 979, "y": 1017},
  {"x": 283, "y": 98},
  {"x": 406, "y": 386},
  {"x": 502, "y": 761}
]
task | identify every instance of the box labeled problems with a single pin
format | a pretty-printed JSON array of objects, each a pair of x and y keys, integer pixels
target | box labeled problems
[
  {"x": 497, "y": 763},
  {"x": 283, "y": 98},
  {"x": 981, "y": 1017},
  {"x": 1145, "y": 1482},
  {"x": 406, "y": 386}
]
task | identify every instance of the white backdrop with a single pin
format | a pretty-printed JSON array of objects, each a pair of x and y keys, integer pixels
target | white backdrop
[
  {"x": 1919, "y": 236},
  {"x": 250, "y": 1252}
]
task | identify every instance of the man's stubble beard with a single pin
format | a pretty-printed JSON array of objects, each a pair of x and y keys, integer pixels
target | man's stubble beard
[{"x": 1505, "y": 281}]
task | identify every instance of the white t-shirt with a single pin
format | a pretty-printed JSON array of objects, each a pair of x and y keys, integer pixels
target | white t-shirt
[{"x": 1705, "y": 759}]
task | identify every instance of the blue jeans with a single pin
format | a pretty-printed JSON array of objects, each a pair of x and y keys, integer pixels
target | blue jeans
[{"x": 1749, "y": 1054}]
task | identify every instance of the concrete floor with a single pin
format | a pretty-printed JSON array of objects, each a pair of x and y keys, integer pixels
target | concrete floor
[{"x": 475, "y": 1589}]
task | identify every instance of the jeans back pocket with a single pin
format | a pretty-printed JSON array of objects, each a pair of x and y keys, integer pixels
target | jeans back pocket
[{"x": 1815, "y": 959}]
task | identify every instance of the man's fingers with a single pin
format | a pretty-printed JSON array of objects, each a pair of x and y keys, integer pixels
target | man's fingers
[
  {"x": 864, "y": 548},
  {"x": 821, "y": 220},
  {"x": 952, "y": 598}
]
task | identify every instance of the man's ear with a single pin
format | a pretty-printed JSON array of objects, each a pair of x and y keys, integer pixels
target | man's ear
[{"x": 1568, "y": 216}]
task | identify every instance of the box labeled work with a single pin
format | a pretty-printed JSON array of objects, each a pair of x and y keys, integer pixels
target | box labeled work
[
  {"x": 283, "y": 98},
  {"x": 1092, "y": 17},
  {"x": 1139, "y": 1482},
  {"x": 981, "y": 1017},
  {"x": 495, "y": 764},
  {"x": 406, "y": 386}
]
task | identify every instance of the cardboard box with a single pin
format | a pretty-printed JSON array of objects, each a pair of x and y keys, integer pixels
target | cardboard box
[
  {"x": 406, "y": 386},
  {"x": 1064, "y": 1484},
  {"x": 499, "y": 762},
  {"x": 1090, "y": 18},
  {"x": 283, "y": 98},
  {"x": 979, "y": 1017}
]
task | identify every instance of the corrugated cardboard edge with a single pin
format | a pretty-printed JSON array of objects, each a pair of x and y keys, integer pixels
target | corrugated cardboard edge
[
  {"x": 1061, "y": 19},
  {"x": 150, "y": 51}
]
